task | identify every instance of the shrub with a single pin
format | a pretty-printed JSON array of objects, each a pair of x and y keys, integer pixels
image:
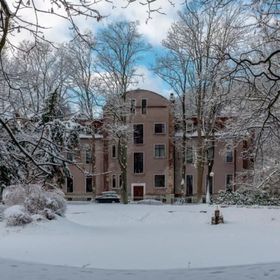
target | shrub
[
  {"x": 44, "y": 202},
  {"x": 49, "y": 214},
  {"x": 14, "y": 194},
  {"x": 16, "y": 216},
  {"x": 55, "y": 201},
  {"x": 2, "y": 208},
  {"x": 32, "y": 201},
  {"x": 150, "y": 202},
  {"x": 35, "y": 203},
  {"x": 248, "y": 196}
]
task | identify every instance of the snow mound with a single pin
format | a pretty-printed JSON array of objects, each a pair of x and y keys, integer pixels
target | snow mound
[{"x": 149, "y": 202}]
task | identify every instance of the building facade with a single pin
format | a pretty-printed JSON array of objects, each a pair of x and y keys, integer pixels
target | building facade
[
  {"x": 150, "y": 150},
  {"x": 153, "y": 167},
  {"x": 229, "y": 166}
]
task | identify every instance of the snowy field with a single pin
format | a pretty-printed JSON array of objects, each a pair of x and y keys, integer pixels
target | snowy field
[{"x": 144, "y": 242}]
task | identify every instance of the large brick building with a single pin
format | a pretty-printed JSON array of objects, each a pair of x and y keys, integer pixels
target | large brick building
[{"x": 153, "y": 160}]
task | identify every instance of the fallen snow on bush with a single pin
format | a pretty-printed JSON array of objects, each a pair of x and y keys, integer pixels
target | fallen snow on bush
[
  {"x": 32, "y": 200},
  {"x": 55, "y": 201},
  {"x": 2, "y": 209},
  {"x": 17, "y": 215},
  {"x": 13, "y": 195}
]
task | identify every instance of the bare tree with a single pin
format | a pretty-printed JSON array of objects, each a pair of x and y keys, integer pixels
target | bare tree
[
  {"x": 256, "y": 71},
  {"x": 33, "y": 102},
  {"x": 194, "y": 67},
  {"x": 17, "y": 17},
  {"x": 174, "y": 69},
  {"x": 118, "y": 49},
  {"x": 85, "y": 87}
]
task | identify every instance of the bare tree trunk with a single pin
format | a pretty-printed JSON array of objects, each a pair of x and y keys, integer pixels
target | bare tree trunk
[
  {"x": 93, "y": 152},
  {"x": 184, "y": 146},
  {"x": 200, "y": 169},
  {"x": 122, "y": 158}
]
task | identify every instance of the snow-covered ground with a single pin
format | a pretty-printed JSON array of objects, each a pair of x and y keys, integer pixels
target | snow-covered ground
[{"x": 171, "y": 242}]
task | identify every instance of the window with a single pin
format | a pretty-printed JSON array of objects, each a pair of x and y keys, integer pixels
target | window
[
  {"x": 138, "y": 162},
  {"x": 160, "y": 151},
  {"x": 114, "y": 182},
  {"x": 229, "y": 154},
  {"x": 144, "y": 106},
  {"x": 120, "y": 181},
  {"x": 189, "y": 155},
  {"x": 159, "y": 128},
  {"x": 114, "y": 151},
  {"x": 132, "y": 106},
  {"x": 160, "y": 181},
  {"x": 69, "y": 156},
  {"x": 245, "y": 163},
  {"x": 229, "y": 181},
  {"x": 189, "y": 185},
  {"x": 88, "y": 156},
  {"x": 88, "y": 184},
  {"x": 69, "y": 184},
  {"x": 138, "y": 133}
]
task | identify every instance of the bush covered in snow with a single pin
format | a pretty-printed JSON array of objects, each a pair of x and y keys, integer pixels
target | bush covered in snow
[
  {"x": 33, "y": 202},
  {"x": 16, "y": 215},
  {"x": 248, "y": 196},
  {"x": 56, "y": 202},
  {"x": 14, "y": 194},
  {"x": 2, "y": 208},
  {"x": 38, "y": 200}
]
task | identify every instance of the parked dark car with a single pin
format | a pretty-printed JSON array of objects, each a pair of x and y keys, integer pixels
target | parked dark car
[{"x": 108, "y": 197}]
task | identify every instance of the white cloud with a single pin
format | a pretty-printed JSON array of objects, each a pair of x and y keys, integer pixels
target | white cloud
[
  {"x": 149, "y": 81},
  {"x": 154, "y": 31},
  {"x": 58, "y": 29}
]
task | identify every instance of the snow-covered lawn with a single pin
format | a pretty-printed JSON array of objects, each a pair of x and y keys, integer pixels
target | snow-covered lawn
[{"x": 147, "y": 237}]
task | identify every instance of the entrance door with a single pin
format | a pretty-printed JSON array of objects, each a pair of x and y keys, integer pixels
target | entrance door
[{"x": 138, "y": 192}]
